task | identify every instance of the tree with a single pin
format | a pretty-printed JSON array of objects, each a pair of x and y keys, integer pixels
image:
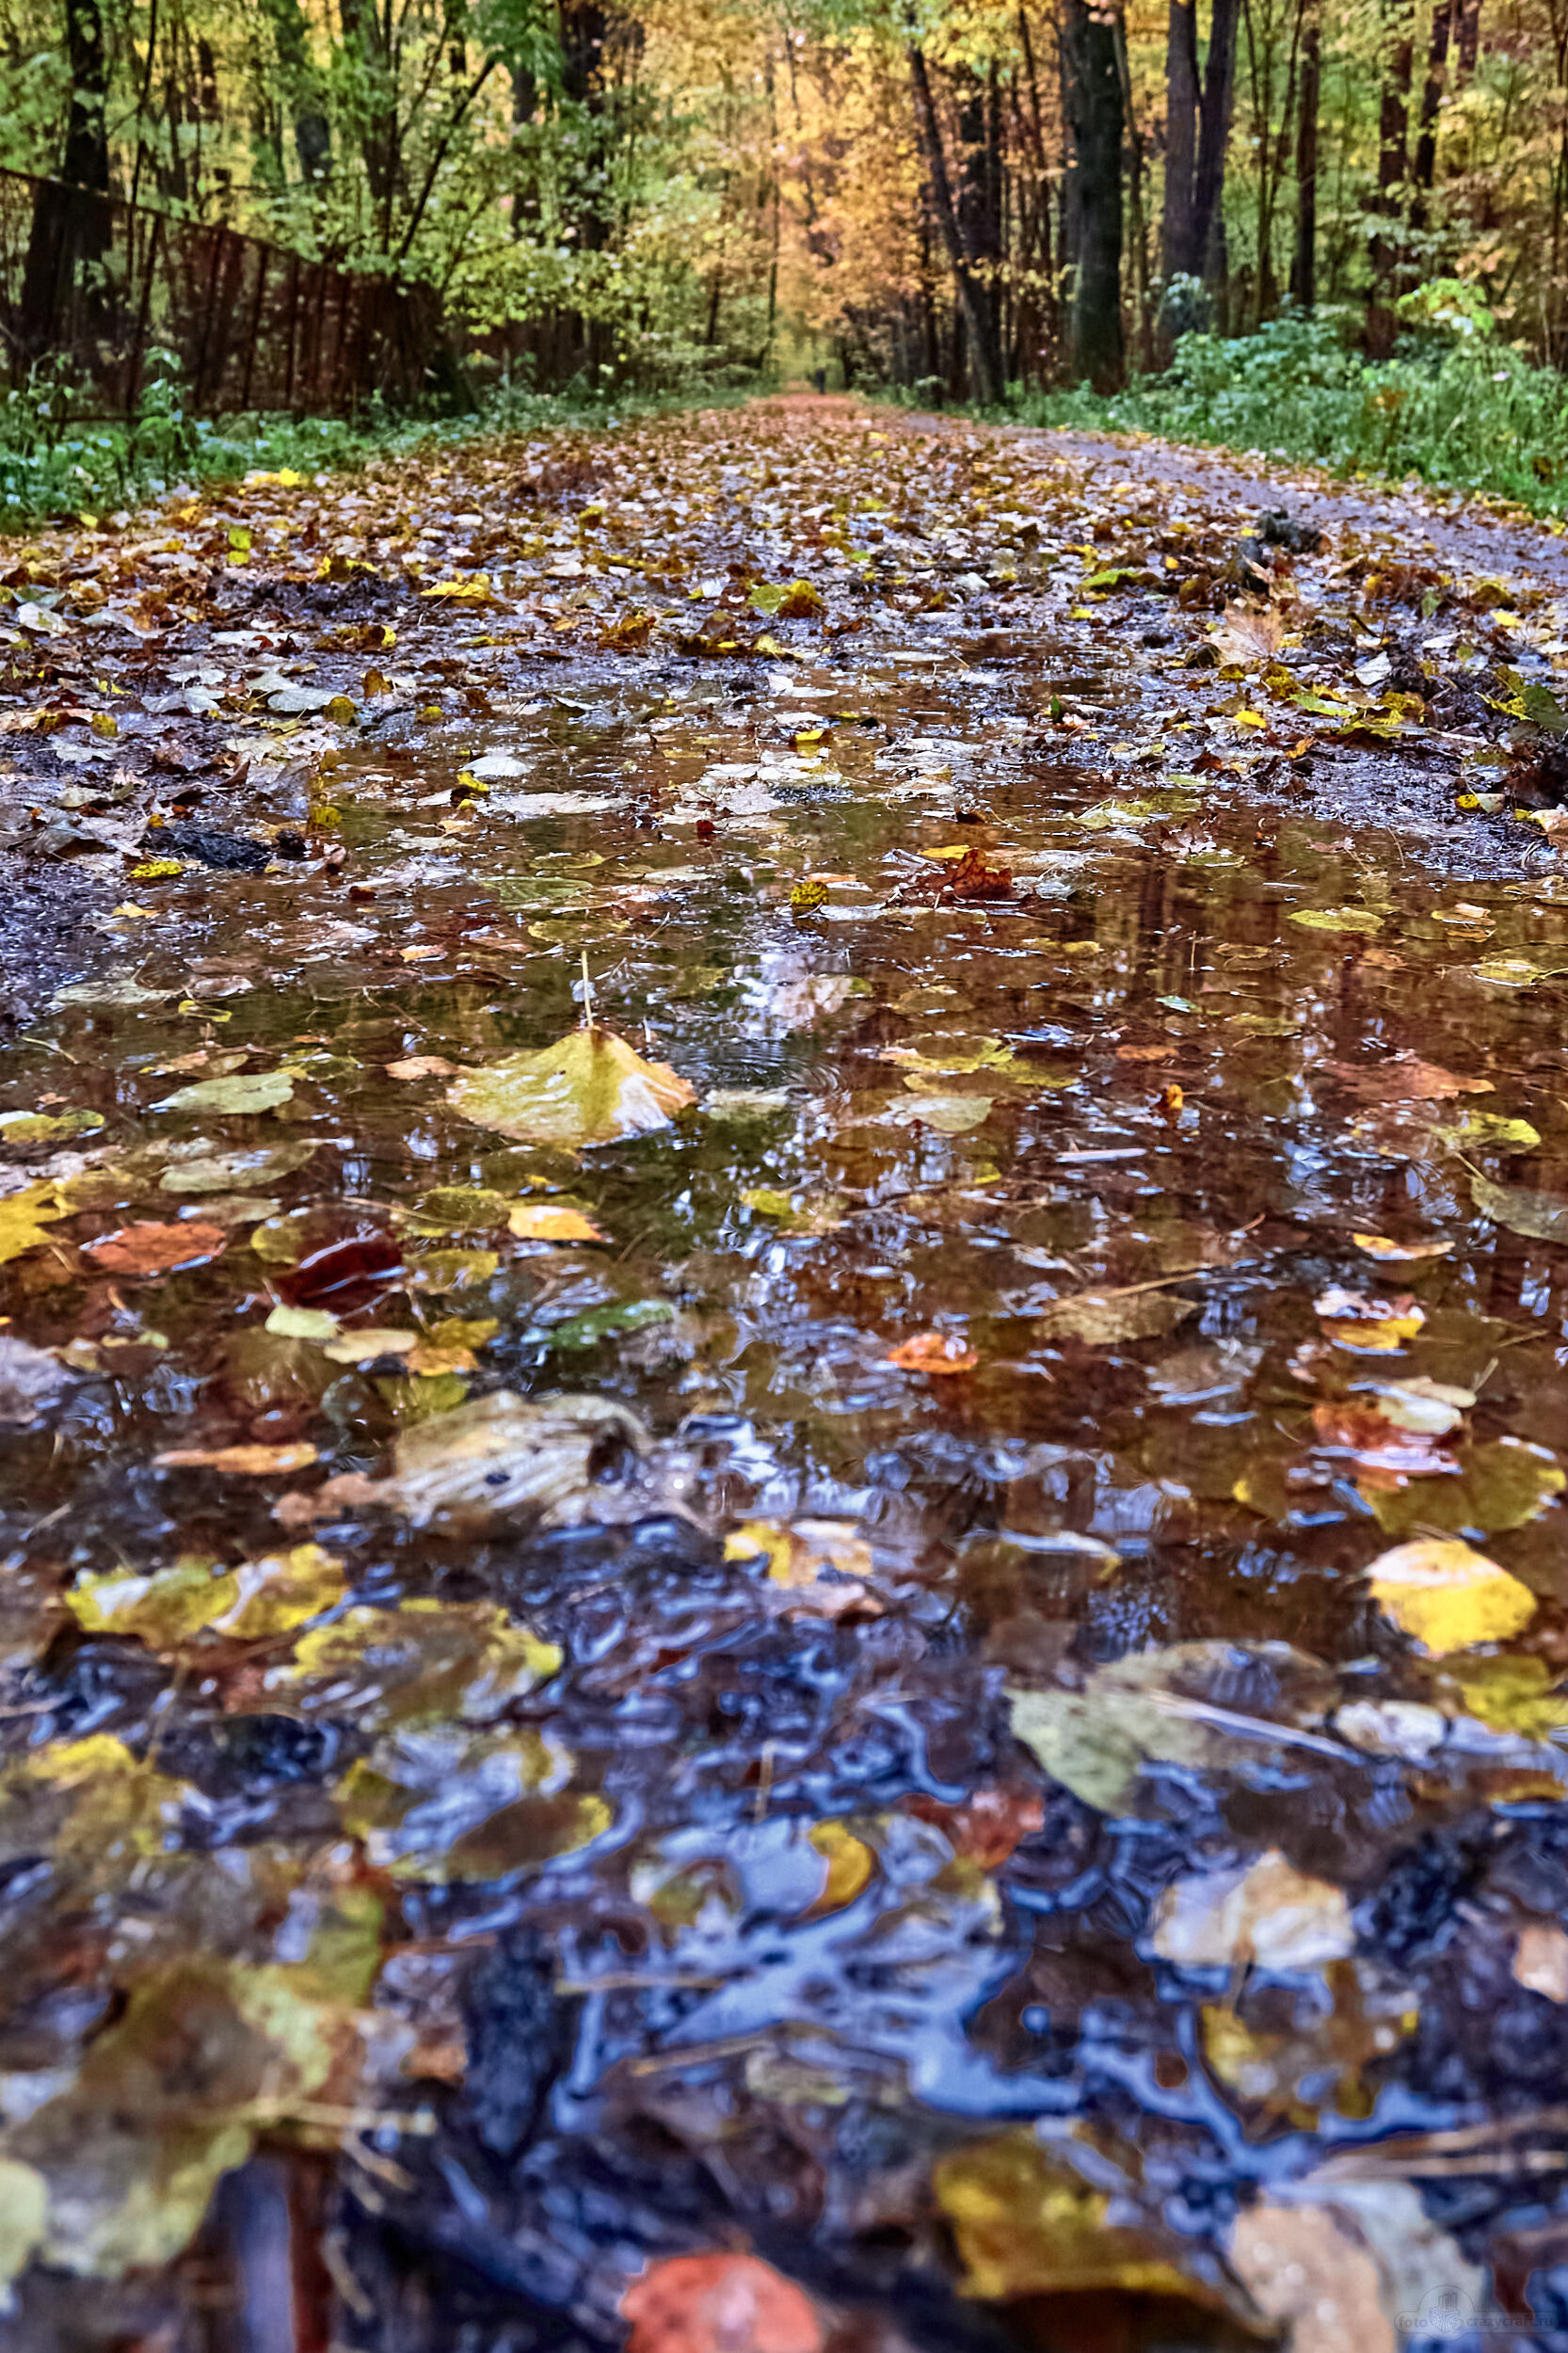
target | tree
[{"x": 1093, "y": 94}]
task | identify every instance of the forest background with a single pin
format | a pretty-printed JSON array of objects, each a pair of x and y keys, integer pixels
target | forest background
[{"x": 1323, "y": 228}]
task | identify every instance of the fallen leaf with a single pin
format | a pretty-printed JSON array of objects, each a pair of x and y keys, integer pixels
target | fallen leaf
[
  {"x": 439, "y": 1803},
  {"x": 1307, "y": 2272},
  {"x": 422, "y": 1662},
  {"x": 1405, "y": 1079},
  {"x": 151, "y": 1249},
  {"x": 850, "y": 1863},
  {"x": 23, "y": 2211},
  {"x": 1448, "y": 1597},
  {"x": 1027, "y": 2223},
  {"x": 1336, "y": 919},
  {"x": 23, "y": 1217},
  {"x": 590, "y": 1087},
  {"x": 18, "y": 1127},
  {"x": 532, "y": 1220},
  {"x": 424, "y": 1067},
  {"x": 1540, "y": 1960},
  {"x": 168, "y": 1606},
  {"x": 719, "y": 2303},
  {"x": 502, "y": 1454},
  {"x": 32, "y": 1380},
  {"x": 1368, "y": 1327},
  {"x": 1497, "y": 1486},
  {"x": 1539, "y": 1216},
  {"x": 1379, "y": 1246},
  {"x": 933, "y": 1352},
  {"x": 245, "y": 1094},
  {"x": 1103, "y": 1318},
  {"x": 1264, "y": 1912},
  {"x": 251, "y": 1460}
]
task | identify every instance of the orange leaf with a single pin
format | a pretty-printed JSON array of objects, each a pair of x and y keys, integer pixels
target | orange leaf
[
  {"x": 152, "y": 1249},
  {"x": 256, "y": 1461},
  {"x": 934, "y": 1352},
  {"x": 719, "y": 2303},
  {"x": 540, "y": 1221}
]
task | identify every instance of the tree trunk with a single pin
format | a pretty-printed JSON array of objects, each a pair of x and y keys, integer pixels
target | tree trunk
[
  {"x": 70, "y": 225},
  {"x": 312, "y": 136},
  {"x": 1304, "y": 265},
  {"x": 1219, "y": 92},
  {"x": 1178, "y": 256},
  {"x": 1393, "y": 166},
  {"x": 1093, "y": 97},
  {"x": 985, "y": 361},
  {"x": 1432, "y": 103}
]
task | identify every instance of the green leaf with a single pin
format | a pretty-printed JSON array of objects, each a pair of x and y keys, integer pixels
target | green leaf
[
  {"x": 1539, "y": 1216},
  {"x": 242, "y": 1096},
  {"x": 1499, "y": 1486},
  {"x": 1336, "y": 919},
  {"x": 47, "y": 1126}
]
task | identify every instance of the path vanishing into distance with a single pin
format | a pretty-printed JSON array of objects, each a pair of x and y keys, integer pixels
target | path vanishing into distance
[{"x": 782, "y": 1244}]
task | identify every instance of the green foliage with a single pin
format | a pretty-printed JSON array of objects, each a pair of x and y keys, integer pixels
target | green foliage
[{"x": 1454, "y": 407}]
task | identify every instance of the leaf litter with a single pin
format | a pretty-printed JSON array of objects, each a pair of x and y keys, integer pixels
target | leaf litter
[{"x": 785, "y": 1523}]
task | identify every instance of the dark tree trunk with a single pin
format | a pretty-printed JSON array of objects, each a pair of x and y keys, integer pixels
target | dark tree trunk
[
  {"x": 1469, "y": 38},
  {"x": 1304, "y": 265},
  {"x": 70, "y": 225},
  {"x": 1393, "y": 166},
  {"x": 1219, "y": 92},
  {"x": 1094, "y": 123},
  {"x": 312, "y": 136},
  {"x": 1432, "y": 103},
  {"x": 1178, "y": 256},
  {"x": 1045, "y": 292},
  {"x": 984, "y": 359},
  {"x": 979, "y": 203}
]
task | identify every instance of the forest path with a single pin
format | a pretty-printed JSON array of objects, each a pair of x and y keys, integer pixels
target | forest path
[{"x": 918, "y": 1578}]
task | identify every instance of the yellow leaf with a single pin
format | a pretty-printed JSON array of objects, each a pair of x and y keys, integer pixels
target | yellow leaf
[
  {"x": 1448, "y": 1597},
  {"x": 1029, "y": 2224},
  {"x": 589, "y": 1087},
  {"x": 22, "y": 1218},
  {"x": 476, "y": 589},
  {"x": 1379, "y": 1246},
  {"x": 167, "y": 1608},
  {"x": 539, "y": 1222},
  {"x": 848, "y": 1865}
]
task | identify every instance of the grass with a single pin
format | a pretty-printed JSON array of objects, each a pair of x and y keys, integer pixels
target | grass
[
  {"x": 1461, "y": 413},
  {"x": 53, "y": 467}
]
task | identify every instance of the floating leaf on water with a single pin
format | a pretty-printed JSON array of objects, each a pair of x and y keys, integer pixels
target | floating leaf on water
[
  {"x": 1336, "y": 919},
  {"x": 424, "y": 1067},
  {"x": 608, "y": 1322},
  {"x": 1368, "y": 1327},
  {"x": 544, "y": 1221},
  {"x": 1500, "y": 1485},
  {"x": 451, "y": 1270},
  {"x": 945, "y": 1114},
  {"x": 1027, "y": 2223},
  {"x": 502, "y": 1454},
  {"x": 168, "y": 1606},
  {"x": 1105, "y": 1319},
  {"x": 254, "y": 1164},
  {"x": 1307, "y": 2271},
  {"x": 1447, "y": 1597},
  {"x": 167, "y": 2100},
  {"x": 17, "y": 1128},
  {"x": 1391, "y": 1253},
  {"x": 24, "y": 1217},
  {"x": 1432, "y": 1408},
  {"x": 590, "y": 1087},
  {"x": 1489, "y": 1131},
  {"x": 1153, "y": 1708},
  {"x": 1539, "y": 1216},
  {"x": 251, "y": 1461},
  {"x": 825, "y": 1561},
  {"x": 719, "y": 2303},
  {"x": 934, "y": 1353},
  {"x": 117, "y": 989},
  {"x": 1264, "y": 1912},
  {"x": 1540, "y": 1960},
  {"x": 302, "y": 1323},
  {"x": 152, "y": 1249},
  {"x": 364, "y": 1348},
  {"x": 850, "y": 1863},
  {"x": 23, "y": 2211},
  {"x": 243, "y": 1096},
  {"x": 441, "y": 1804},
  {"x": 1106, "y": 814},
  {"x": 451, "y": 1208},
  {"x": 422, "y": 1661},
  {"x": 1511, "y": 1694}
]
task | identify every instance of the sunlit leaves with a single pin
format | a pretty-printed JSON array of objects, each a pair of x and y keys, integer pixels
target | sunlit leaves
[
  {"x": 24, "y": 1216},
  {"x": 590, "y": 1087}
]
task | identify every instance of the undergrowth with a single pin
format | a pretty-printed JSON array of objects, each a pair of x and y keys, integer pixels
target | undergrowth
[
  {"x": 55, "y": 465},
  {"x": 1461, "y": 411}
]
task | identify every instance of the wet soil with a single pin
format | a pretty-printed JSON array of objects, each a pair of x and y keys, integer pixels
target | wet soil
[{"x": 1124, "y": 1196}]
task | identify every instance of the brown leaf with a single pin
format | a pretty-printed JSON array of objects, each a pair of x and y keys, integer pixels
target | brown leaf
[
  {"x": 932, "y": 1351},
  {"x": 153, "y": 1249},
  {"x": 253, "y": 1461}
]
